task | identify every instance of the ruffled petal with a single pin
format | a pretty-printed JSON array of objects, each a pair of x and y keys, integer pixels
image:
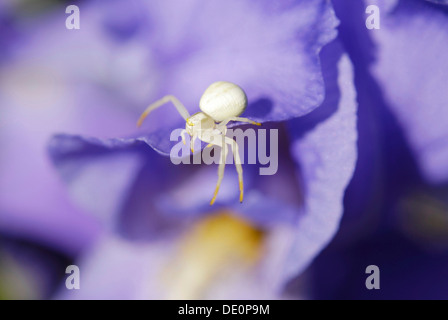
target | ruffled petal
[
  {"x": 163, "y": 47},
  {"x": 133, "y": 182},
  {"x": 412, "y": 71},
  {"x": 324, "y": 147}
]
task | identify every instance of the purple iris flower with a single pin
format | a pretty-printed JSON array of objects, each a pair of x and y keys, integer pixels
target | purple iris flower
[
  {"x": 396, "y": 205},
  {"x": 361, "y": 132},
  {"x": 275, "y": 53}
]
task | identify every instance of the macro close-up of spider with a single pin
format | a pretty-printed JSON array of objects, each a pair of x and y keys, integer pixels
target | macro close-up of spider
[{"x": 221, "y": 103}]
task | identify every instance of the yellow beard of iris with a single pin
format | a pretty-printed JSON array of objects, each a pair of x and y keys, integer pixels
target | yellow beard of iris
[{"x": 217, "y": 244}]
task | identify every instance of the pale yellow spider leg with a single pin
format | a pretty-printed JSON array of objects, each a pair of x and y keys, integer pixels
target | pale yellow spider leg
[
  {"x": 239, "y": 168},
  {"x": 182, "y": 134},
  {"x": 169, "y": 98},
  {"x": 193, "y": 139},
  {"x": 222, "y": 165}
]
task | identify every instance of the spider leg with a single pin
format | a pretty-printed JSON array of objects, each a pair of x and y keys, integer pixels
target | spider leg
[
  {"x": 169, "y": 98},
  {"x": 223, "y": 144},
  {"x": 218, "y": 141},
  {"x": 239, "y": 168},
  {"x": 192, "y": 140},
  {"x": 182, "y": 134}
]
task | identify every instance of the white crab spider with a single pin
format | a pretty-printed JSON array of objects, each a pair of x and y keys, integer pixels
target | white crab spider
[{"x": 221, "y": 103}]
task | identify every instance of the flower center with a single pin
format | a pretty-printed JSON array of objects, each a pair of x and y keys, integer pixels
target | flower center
[{"x": 217, "y": 246}]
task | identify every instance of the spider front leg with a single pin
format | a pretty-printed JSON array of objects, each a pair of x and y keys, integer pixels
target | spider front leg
[
  {"x": 192, "y": 141},
  {"x": 169, "y": 98},
  {"x": 222, "y": 164},
  {"x": 182, "y": 134},
  {"x": 239, "y": 168},
  {"x": 223, "y": 142}
]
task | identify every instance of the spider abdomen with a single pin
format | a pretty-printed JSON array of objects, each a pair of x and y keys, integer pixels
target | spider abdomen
[{"x": 223, "y": 100}]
